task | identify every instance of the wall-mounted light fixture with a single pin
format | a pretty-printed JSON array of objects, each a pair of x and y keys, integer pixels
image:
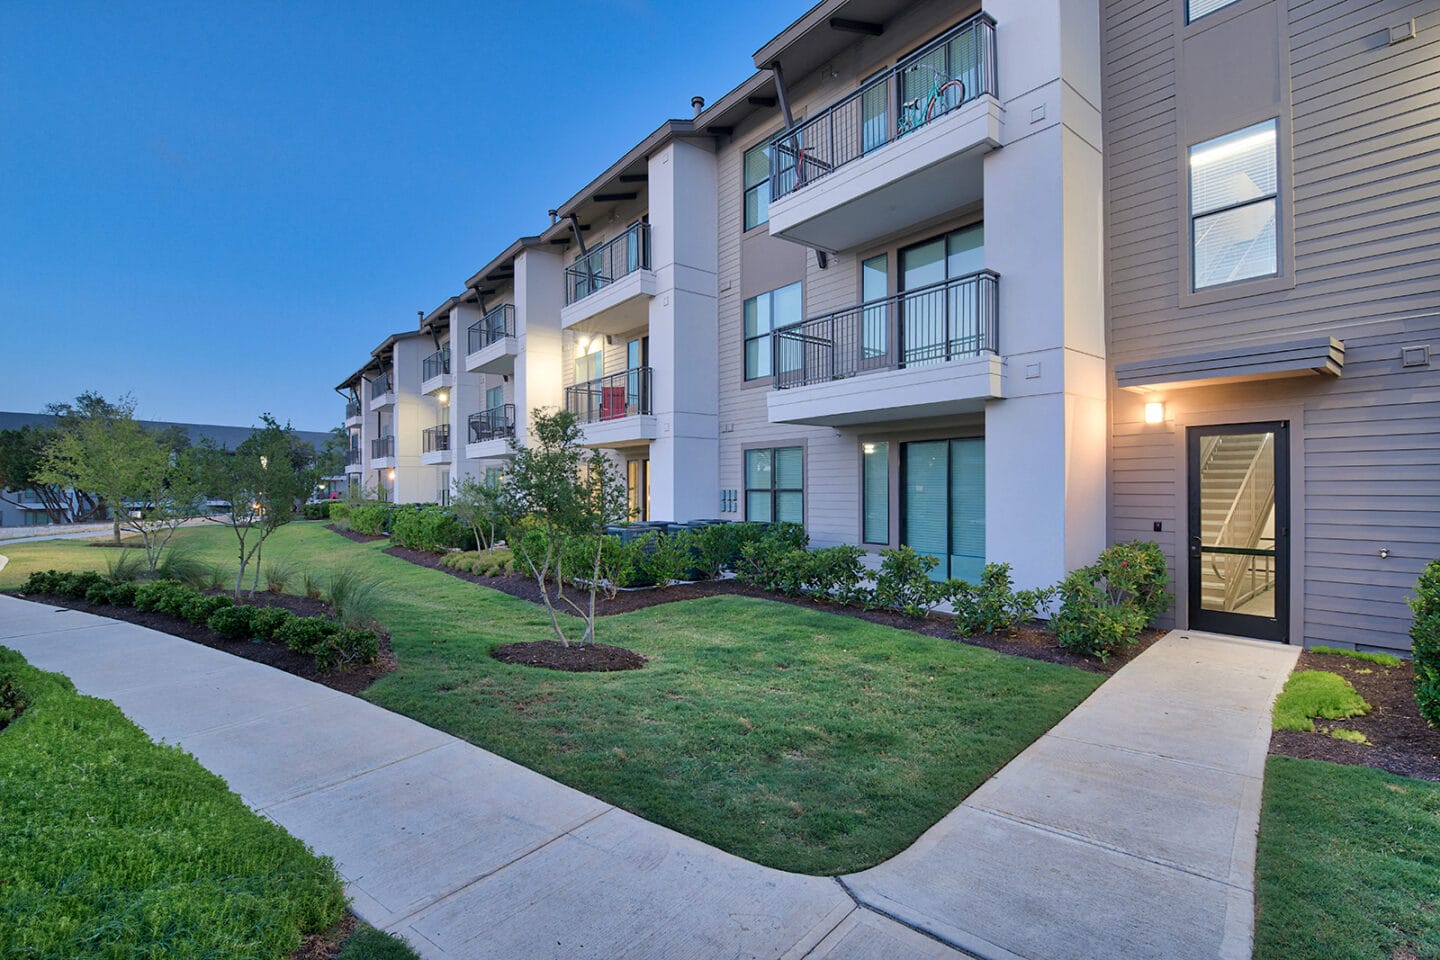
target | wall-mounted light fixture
[
  {"x": 392, "y": 473},
  {"x": 443, "y": 396},
  {"x": 1154, "y": 412}
]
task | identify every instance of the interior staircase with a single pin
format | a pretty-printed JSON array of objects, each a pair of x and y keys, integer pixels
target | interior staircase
[{"x": 1237, "y": 499}]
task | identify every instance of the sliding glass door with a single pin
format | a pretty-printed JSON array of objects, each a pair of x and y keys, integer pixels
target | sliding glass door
[{"x": 943, "y": 504}]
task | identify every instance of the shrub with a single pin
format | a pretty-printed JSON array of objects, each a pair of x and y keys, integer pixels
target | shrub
[
  {"x": 372, "y": 519},
  {"x": 122, "y": 594},
  {"x": 235, "y": 622},
  {"x": 347, "y": 647},
  {"x": 1105, "y": 606},
  {"x": 75, "y": 586},
  {"x": 718, "y": 545},
  {"x": 177, "y": 599},
  {"x": 278, "y": 574},
  {"x": 98, "y": 593},
  {"x": 994, "y": 605},
  {"x": 198, "y": 608},
  {"x": 903, "y": 582},
  {"x": 338, "y": 509},
  {"x": 315, "y": 511},
  {"x": 13, "y": 699},
  {"x": 773, "y": 563},
  {"x": 1425, "y": 635},
  {"x": 838, "y": 573},
  {"x": 40, "y": 581},
  {"x": 355, "y": 596},
  {"x": 306, "y": 634},
  {"x": 269, "y": 621},
  {"x": 429, "y": 527},
  {"x": 673, "y": 557}
]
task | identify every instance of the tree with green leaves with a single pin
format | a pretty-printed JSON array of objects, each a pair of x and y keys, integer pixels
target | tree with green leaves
[
  {"x": 150, "y": 486},
  {"x": 482, "y": 506},
  {"x": 566, "y": 493},
  {"x": 262, "y": 479},
  {"x": 21, "y": 454}
]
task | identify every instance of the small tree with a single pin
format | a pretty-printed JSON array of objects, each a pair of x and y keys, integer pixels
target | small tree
[
  {"x": 22, "y": 454},
  {"x": 100, "y": 448},
  {"x": 566, "y": 492},
  {"x": 262, "y": 479},
  {"x": 481, "y": 505}
]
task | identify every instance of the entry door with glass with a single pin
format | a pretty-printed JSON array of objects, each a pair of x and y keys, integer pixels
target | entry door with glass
[
  {"x": 1239, "y": 506},
  {"x": 943, "y": 505}
]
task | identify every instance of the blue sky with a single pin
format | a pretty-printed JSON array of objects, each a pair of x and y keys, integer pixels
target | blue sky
[{"x": 221, "y": 207}]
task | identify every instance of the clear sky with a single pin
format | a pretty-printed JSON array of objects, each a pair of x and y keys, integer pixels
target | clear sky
[{"x": 222, "y": 207}]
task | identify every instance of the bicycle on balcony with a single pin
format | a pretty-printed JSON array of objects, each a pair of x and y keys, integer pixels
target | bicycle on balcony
[{"x": 946, "y": 93}]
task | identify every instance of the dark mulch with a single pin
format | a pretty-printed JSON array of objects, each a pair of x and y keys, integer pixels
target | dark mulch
[
  {"x": 1032, "y": 641},
  {"x": 271, "y": 654},
  {"x": 357, "y": 537},
  {"x": 1400, "y": 739},
  {"x": 554, "y": 655},
  {"x": 327, "y": 944}
]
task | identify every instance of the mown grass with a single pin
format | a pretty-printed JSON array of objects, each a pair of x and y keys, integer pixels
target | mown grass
[
  {"x": 797, "y": 738},
  {"x": 1348, "y": 865},
  {"x": 112, "y": 846}
]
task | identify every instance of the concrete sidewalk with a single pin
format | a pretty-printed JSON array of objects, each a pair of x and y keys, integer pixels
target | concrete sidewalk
[{"x": 1128, "y": 831}]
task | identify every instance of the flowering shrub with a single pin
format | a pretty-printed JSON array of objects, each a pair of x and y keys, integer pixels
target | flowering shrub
[{"x": 1105, "y": 606}]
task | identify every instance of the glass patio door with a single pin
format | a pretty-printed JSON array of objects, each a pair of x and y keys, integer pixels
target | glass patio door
[
  {"x": 1239, "y": 511},
  {"x": 943, "y": 504}
]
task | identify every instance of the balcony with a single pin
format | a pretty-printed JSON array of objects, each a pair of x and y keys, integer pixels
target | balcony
[
  {"x": 928, "y": 352},
  {"x": 435, "y": 444},
  {"x": 491, "y": 345},
  {"x": 608, "y": 290},
  {"x": 435, "y": 371},
  {"x": 382, "y": 452},
  {"x": 907, "y": 145},
  {"x": 353, "y": 413},
  {"x": 353, "y": 457},
  {"x": 382, "y": 392},
  {"x": 490, "y": 432},
  {"x": 615, "y": 410}
]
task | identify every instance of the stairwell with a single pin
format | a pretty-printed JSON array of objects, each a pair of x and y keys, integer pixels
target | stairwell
[{"x": 1236, "y": 500}]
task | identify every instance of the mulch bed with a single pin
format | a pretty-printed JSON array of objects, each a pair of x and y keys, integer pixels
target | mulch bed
[
  {"x": 1400, "y": 739},
  {"x": 271, "y": 654},
  {"x": 554, "y": 655},
  {"x": 357, "y": 537},
  {"x": 1032, "y": 641}
]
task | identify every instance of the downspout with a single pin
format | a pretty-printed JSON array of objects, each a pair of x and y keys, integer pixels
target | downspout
[{"x": 822, "y": 259}]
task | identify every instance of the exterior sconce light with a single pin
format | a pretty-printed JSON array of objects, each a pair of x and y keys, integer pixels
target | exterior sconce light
[
  {"x": 1154, "y": 412},
  {"x": 392, "y": 473},
  {"x": 443, "y": 396}
]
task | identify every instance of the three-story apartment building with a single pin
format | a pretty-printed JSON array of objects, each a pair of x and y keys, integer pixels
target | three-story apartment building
[{"x": 1002, "y": 284}]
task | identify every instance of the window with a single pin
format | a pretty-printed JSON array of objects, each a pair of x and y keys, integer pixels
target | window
[
  {"x": 1233, "y": 189},
  {"x": 757, "y": 186},
  {"x": 875, "y": 481},
  {"x": 589, "y": 361},
  {"x": 874, "y": 325},
  {"x": 775, "y": 485},
  {"x": 943, "y": 504},
  {"x": 764, "y": 314},
  {"x": 637, "y": 489},
  {"x": 1195, "y": 9},
  {"x": 941, "y": 322},
  {"x": 494, "y": 398},
  {"x": 493, "y": 476}
]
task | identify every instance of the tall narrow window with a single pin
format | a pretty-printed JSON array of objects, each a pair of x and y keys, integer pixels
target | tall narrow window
[
  {"x": 875, "y": 319},
  {"x": 875, "y": 477},
  {"x": 757, "y": 186},
  {"x": 764, "y": 314},
  {"x": 775, "y": 485},
  {"x": 494, "y": 398},
  {"x": 1233, "y": 189}
]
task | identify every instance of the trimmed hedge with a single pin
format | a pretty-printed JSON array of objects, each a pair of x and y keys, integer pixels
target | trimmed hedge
[
  {"x": 1425, "y": 635},
  {"x": 429, "y": 527},
  {"x": 338, "y": 509},
  {"x": 372, "y": 519}
]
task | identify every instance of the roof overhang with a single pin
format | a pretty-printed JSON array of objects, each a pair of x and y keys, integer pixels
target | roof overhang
[
  {"x": 440, "y": 316},
  {"x": 824, "y": 31},
  {"x": 1239, "y": 363}
]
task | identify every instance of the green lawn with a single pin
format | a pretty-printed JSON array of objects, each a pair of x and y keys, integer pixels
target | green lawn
[
  {"x": 1349, "y": 864},
  {"x": 801, "y": 739},
  {"x": 112, "y": 846}
]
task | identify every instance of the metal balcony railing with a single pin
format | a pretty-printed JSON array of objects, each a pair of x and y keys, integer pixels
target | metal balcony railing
[
  {"x": 497, "y": 423},
  {"x": 491, "y": 328},
  {"x": 616, "y": 258},
  {"x": 435, "y": 365},
  {"x": 954, "y": 68},
  {"x": 435, "y": 439},
  {"x": 949, "y": 320},
  {"x": 352, "y": 409},
  {"x": 380, "y": 386},
  {"x": 620, "y": 395},
  {"x": 382, "y": 447},
  {"x": 352, "y": 457}
]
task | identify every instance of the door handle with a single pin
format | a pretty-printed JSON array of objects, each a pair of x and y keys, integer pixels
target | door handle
[{"x": 1195, "y": 546}]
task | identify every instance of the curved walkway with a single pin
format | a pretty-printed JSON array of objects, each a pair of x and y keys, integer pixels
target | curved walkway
[{"x": 1127, "y": 831}]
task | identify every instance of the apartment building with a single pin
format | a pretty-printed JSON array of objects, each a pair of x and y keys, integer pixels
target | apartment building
[
  {"x": 909, "y": 283},
  {"x": 395, "y": 404},
  {"x": 1272, "y": 242}
]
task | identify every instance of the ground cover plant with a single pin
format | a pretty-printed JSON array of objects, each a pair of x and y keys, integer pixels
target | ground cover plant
[
  {"x": 1348, "y": 866},
  {"x": 779, "y": 732},
  {"x": 132, "y": 849},
  {"x": 1315, "y": 694}
]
